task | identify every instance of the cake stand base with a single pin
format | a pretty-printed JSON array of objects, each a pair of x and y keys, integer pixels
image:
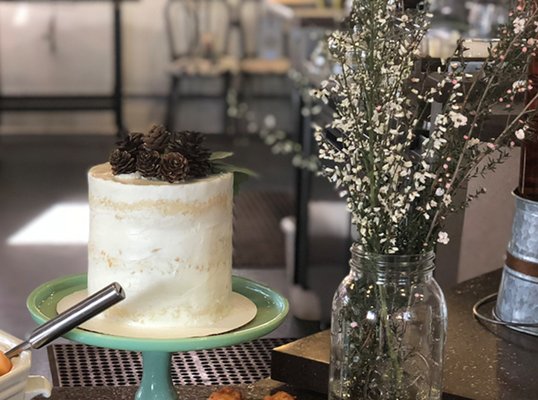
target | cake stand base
[
  {"x": 156, "y": 379},
  {"x": 156, "y": 353}
]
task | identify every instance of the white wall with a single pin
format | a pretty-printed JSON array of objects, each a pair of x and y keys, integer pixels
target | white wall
[
  {"x": 145, "y": 47},
  {"x": 83, "y": 35},
  {"x": 488, "y": 221},
  {"x": 81, "y": 60}
]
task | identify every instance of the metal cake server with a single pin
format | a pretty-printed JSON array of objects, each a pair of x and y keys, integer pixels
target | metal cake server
[{"x": 71, "y": 318}]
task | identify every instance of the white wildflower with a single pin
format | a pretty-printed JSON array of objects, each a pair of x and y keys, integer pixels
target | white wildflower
[
  {"x": 519, "y": 86},
  {"x": 439, "y": 192},
  {"x": 441, "y": 120},
  {"x": 419, "y": 178},
  {"x": 520, "y": 134},
  {"x": 458, "y": 119},
  {"x": 438, "y": 143},
  {"x": 519, "y": 25},
  {"x": 413, "y": 196},
  {"x": 443, "y": 238}
]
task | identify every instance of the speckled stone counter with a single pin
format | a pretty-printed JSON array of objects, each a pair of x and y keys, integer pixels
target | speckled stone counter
[
  {"x": 485, "y": 362},
  {"x": 481, "y": 363}
]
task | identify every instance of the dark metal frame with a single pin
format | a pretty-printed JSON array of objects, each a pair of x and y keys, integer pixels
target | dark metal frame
[{"x": 303, "y": 192}]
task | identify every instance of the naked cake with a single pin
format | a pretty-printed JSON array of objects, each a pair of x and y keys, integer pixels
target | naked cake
[{"x": 161, "y": 226}]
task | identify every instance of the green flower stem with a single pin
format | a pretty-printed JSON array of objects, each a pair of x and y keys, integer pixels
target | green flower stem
[{"x": 390, "y": 337}]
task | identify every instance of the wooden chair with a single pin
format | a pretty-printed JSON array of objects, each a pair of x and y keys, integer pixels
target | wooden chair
[
  {"x": 198, "y": 35},
  {"x": 253, "y": 63}
]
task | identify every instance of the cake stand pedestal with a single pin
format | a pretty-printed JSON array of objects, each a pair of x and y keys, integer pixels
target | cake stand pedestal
[{"x": 156, "y": 353}]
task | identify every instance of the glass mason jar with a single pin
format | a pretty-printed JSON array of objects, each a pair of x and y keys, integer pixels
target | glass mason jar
[{"x": 388, "y": 329}]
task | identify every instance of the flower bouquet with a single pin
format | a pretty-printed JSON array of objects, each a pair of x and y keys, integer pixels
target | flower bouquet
[{"x": 404, "y": 140}]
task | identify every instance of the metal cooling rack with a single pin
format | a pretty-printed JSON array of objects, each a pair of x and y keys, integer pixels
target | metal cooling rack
[{"x": 78, "y": 365}]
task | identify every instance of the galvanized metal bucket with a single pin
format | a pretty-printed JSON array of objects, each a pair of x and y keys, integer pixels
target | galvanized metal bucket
[{"x": 517, "y": 300}]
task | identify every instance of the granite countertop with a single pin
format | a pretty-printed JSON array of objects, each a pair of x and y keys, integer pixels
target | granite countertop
[
  {"x": 481, "y": 362},
  {"x": 486, "y": 362}
]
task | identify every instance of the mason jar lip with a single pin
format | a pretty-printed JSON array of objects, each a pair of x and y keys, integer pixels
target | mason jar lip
[{"x": 395, "y": 262}]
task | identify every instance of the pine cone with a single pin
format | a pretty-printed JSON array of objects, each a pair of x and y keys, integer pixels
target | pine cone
[
  {"x": 190, "y": 144},
  {"x": 148, "y": 162},
  {"x": 176, "y": 143},
  {"x": 200, "y": 167},
  {"x": 132, "y": 143},
  {"x": 174, "y": 167},
  {"x": 122, "y": 162},
  {"x": 157, "y": 138}
]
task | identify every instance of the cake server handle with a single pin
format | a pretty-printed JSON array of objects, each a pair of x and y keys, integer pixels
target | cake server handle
[{"x": 71, "y": 318}]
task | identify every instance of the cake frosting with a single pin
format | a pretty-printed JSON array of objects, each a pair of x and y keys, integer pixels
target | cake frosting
[{"x": 168, "y": 244}]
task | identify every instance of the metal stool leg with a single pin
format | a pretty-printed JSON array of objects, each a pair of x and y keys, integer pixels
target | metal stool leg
[
  {"x": 172, "y": 103},
  {"x": 226, "y": 118}
]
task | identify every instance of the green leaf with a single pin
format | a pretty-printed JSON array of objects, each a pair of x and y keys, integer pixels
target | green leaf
[
  {"x": 240, "y": 174},
  {"x": 225, "y": 167},
  {"x": 239, "y": 179},
  {"x": 220, "y": 155}
]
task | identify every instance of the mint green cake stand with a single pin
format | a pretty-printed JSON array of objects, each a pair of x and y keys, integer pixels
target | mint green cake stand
[{"x": 156, "y": 353}]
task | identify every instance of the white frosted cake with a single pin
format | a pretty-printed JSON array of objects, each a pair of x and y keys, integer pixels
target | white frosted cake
[{"x": 168, "y": 244}]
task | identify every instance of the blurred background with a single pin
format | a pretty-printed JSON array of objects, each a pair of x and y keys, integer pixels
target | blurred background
[
  {"x": 76, "y": 75},
  {"x": 72, "y": 48}
]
